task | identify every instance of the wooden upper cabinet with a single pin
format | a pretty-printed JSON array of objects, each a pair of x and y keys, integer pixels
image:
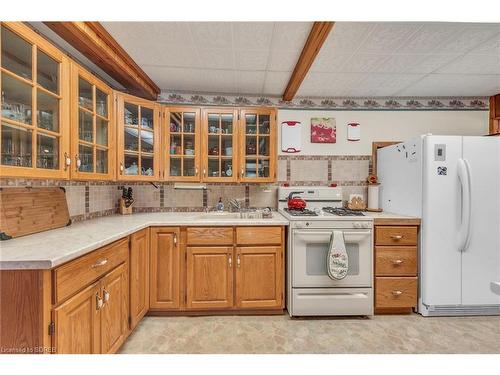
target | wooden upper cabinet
[
  {"x": 258, "y": 145},
  {"x": 138, "y": 139},
  {"x": 93, "y": 151},
  {"x": 219, "y": 145},
  {"x": 139, "y": 276},
  {"x": 78, "y": 323},
  {"x": 209, "y": 277},
  {"x": 34, "y": 86},
  {"x": 165, "y": 268},
  {"x": 182, "y": 149}
]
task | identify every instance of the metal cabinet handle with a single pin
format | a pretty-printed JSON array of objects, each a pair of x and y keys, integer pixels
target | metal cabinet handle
[
  {"x": 397, "y": 292},
  {"x": 78, "y": 162},
  {"x": 105, "y": 295},
  {"x": 398, "y": 237},
  {"x": 242, "y": 172},
  {"x": 175, "y": 239},
  {"x": 67, "y": 161},
  {"x": 121, "y": 167},
  {"x": 196, "y": 171},
  {"x": 98, "y": 302},
  {"x": 230, "y": 261},
  {"x": 204, "y": 172},
  {"x": 397, "y": 262},
  {"x": 99, "y": 264},
  {"x": 238, "y": 262}
]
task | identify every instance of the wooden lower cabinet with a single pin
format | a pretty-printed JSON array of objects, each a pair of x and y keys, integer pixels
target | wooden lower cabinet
[
  {"x": 259, "y": 277},
  {"x": 139, "y": 276},
  {"x": 115, "y": 309},
  {"x": 209, "y": 277},
  {"x": 78, "y": 323},
  {"x": 165, "y": 268}
]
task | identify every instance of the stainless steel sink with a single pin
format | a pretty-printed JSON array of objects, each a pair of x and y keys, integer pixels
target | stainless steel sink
[
  {"x": 495, "y": 287},
  {"x": 220, "y": 215}
]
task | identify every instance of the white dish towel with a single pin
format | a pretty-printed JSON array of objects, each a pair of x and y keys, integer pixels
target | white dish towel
[{"x": 337, "y": 259}]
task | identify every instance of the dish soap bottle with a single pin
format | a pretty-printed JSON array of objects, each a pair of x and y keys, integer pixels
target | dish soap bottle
[{"x": 220, "y": 205}]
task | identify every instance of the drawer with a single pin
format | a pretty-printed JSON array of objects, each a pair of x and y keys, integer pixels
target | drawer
[
  {"x": 397, "y": 235},
  {"x": 395, "y": 292},
  {"x": 258, "y": 235},
  {"x": 395, "y": 261},
  {"x": 209, "y": 236},
  {"x": 77, "y": 274}
]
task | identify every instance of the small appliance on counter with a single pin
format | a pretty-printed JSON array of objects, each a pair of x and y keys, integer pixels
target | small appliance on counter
[{"x": 126, "y": 201}]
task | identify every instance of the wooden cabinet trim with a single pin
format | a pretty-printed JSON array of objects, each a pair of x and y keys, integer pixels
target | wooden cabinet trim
[
  {"x": 209, "y": 236},
  {"x": 139, "y": 275}
]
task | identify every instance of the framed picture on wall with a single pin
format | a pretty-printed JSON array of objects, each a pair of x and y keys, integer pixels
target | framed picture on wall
[{"x": 323, "y": 130}]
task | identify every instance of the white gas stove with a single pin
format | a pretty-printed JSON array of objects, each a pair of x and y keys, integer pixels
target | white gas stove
[{"x": 310, "y": 290}]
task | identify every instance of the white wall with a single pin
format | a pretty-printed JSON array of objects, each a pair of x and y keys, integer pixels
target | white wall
[{"x": 383, "y": 126}]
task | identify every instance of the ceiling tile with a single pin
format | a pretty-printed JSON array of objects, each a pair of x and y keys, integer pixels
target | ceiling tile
[
  {"x": 346, "y": 36},
  {"x": 283, "y": 60},
  {"x": 361, "y": 62},
  {"x": 291, "y": 35},
  {"x": 217, "y": 58},
  {"x": 251, "y": 59},
  {"x": 454, "y": 85},
  {"x": 430, "y": 63},
  {"x": 430, "y": 37},
  {"x": 275, "y": 82},
  {"x": 330, "y": 61},
  {"x": 212, "y": 34},
  {"x": 473, "y": 64},
  {"x": 490, "y": 47},
  {"x": 253, "y": 35},
  {"x": 470, "y": 37},
  {"x": 388, "y": 36},
  {"x": 248, "y": 82}
]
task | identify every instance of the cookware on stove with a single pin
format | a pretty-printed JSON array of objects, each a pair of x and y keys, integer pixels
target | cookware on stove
[{"x": 296, "y": 203}]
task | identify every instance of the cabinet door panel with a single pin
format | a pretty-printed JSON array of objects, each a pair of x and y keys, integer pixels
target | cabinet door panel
[
  {"x": 209, "y": 277},
  {"x": 139, "y": 276},
  {"x": 114, "y": 312},
  {"x": 165, "y": 268},
  {"x": 259, "y": 277},
  {"x": 77, "y": 323}
]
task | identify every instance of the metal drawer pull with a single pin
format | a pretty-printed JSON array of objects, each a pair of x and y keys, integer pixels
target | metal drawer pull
[
  {"x": 398, "y": 237},
  {"x": 397, "y": 262},
  {"x": 238, "y": 261},
  {"x": 230, "y": 262},
  {"x": 98, "y": 301},
  {"x": 175, "y": 239},
  {"x": 105, "y": 294},
  {"x": 397, "y": 292},
  {"x": 99, "y": 264}
]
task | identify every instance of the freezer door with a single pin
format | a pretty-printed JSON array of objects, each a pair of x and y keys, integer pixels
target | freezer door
[
  {"x": 481, "y": 256},
  {"x": 440, "y": 258}
]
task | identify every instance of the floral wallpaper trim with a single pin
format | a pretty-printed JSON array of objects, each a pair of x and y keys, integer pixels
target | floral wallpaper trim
[{"x": 332, "y": 103}]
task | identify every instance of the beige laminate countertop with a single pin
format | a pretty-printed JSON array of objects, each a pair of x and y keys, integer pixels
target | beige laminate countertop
[
  {"x": 49, "y": 249},
  {"x": 389, "y": 218}
]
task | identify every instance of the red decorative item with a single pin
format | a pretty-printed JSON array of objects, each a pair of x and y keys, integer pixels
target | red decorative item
[
  {"x": 296, "y": 203},
  {"x": 323, "y": 130}
]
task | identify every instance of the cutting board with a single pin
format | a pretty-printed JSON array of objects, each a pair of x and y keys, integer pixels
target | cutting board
[{"x": 31, "y": 210}]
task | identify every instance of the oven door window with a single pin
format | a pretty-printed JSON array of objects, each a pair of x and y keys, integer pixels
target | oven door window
[{"x": 309, "y": 260}]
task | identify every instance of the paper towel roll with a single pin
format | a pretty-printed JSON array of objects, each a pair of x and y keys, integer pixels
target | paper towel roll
[{"x": 373, "y": 190}]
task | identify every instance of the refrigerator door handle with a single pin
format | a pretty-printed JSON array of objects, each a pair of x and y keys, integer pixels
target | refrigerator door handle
[{"x": 464, "y": 177}]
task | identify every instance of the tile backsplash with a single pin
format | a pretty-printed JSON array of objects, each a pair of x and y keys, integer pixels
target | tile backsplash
[{"x": 87, "y": 200}]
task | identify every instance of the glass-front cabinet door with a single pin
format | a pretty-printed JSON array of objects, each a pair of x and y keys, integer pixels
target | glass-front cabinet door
[
  {"x": 138, "y": 138},
  {"x": 34, "y": 118},
  {"x": 219, "y": 145},
  {"x": 182, "y": 144},
  {"x": 258, "y": 145},
  {"x": 93, "y": 128}
]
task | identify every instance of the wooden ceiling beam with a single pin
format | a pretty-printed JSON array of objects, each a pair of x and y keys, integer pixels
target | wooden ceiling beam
[
  {"x": 93, "y": 41},
  {"x": 317, "y": 36}
]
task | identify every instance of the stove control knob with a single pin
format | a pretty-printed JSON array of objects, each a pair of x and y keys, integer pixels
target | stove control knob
[
  {"x": 357, "y": 225},
  {"x": 366, "y": 225},
  {"x": 307, "y": 224}
]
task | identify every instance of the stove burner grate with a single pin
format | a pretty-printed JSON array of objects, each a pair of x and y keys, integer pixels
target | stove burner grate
[
  {"x": 342, "y": 211},
  {"x": 304, "y": 212}
]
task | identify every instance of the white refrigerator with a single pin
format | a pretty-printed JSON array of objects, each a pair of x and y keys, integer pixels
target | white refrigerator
[{"x": 453, "y": 184}]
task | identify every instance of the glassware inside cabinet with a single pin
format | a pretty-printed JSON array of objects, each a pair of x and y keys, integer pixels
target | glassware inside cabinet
[
  {"x": 101, "y": 161},
  {"x": 16, "y": 54},
  {"x": 131, "y": 114},
  {"x": 175, "y": 122},
  {"x": 85, "y": 126},
  {"x": 175, "y": 166},
  {"x": 147, "y": 141},
  {"x": 16, "y": 146},
  {"x": 85, "y": 94},
  {"x": 189, "y": 122},
  {"x": 147, "y": 118},
  {"x": 47, "y": 72},
  {"x": 47, "y": 111},
  {"x": 131, "y": 165},
  {"x": 86, "y": 155},
  {"x": 101, "y": 131},
  {"x": 101, "y": 103},
  {"x": 16, "y": 100},
  {"x": 251, "y": 124},
  {"x": 47, "y": 156},
  {"x": 131, "y": 139},
  {"x": 147, "y": 165}
]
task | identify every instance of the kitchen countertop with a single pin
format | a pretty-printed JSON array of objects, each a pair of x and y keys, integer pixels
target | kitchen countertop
[
  {"x": 51, "y": 248},
  {"x": 389, "y": 218}
]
